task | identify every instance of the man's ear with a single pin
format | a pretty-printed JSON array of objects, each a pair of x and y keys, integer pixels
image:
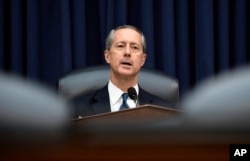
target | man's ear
[
  {"x": 107, "y": 56},
  {"x": 143, "y": 59}
]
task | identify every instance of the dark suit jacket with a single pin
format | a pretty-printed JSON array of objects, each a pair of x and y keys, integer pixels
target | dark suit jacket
[{"x": 98, "y": 102}]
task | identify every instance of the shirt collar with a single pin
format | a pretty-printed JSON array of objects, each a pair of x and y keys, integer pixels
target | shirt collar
[{"x": 115, "y": 93}]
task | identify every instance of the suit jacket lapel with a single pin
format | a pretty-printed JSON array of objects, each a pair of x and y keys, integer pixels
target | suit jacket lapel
[
  {"x": 101, "y": 103},
  {"x": 144, "y": 97}
]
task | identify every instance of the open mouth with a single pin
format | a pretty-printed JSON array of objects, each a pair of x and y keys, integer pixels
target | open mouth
[{"x": 126, "y": 63}]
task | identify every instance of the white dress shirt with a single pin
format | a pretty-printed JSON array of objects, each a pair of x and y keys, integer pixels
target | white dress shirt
[{"x": 115, "y": 97}]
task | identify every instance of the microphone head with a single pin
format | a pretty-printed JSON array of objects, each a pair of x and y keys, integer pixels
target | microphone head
[{"x": 132, "y": 93}]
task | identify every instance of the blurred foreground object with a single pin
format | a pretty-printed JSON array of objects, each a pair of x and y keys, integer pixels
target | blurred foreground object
[
  {"x": 32, "y": 116},
  {"x": 220, "y": 102},
  {"x": 215, "y": 115}
]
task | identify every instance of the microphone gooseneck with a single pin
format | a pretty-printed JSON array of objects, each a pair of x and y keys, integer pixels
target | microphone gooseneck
[{"x": 132, "y": 94}]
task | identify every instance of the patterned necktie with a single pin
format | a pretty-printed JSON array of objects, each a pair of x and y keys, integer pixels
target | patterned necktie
[{"x": 124, "y": 104}]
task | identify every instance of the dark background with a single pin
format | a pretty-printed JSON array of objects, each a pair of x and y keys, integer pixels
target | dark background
[{"x": 187, "y": 39}]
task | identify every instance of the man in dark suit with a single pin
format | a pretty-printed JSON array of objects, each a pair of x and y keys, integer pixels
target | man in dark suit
[{"x": 125, "y": 54}]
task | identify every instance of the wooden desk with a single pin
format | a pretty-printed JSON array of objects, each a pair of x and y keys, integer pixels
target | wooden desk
[{"x": 128, "y": 135}]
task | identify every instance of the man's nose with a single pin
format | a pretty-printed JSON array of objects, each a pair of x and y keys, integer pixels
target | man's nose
[{"x": 127, "y": 51}]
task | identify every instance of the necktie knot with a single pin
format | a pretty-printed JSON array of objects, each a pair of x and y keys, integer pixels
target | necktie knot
[{"x": 124, "y": 104}]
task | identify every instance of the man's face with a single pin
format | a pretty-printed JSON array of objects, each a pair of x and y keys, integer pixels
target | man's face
[{"x": 126, "y": 55}]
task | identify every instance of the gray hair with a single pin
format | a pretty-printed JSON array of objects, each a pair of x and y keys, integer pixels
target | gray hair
[{"x": 110, "y": 37}]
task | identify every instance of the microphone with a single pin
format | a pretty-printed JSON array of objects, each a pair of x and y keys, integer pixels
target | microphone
[{"x": 133, "y": 95}]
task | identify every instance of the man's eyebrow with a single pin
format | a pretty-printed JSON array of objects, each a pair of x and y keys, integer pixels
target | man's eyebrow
[
  {"x": 134, "y": 43},
  {"x": 120, "y": 42}
]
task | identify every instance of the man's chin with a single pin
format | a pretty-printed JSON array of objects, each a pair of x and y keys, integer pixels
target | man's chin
[{"x": 126, "y": 72}]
